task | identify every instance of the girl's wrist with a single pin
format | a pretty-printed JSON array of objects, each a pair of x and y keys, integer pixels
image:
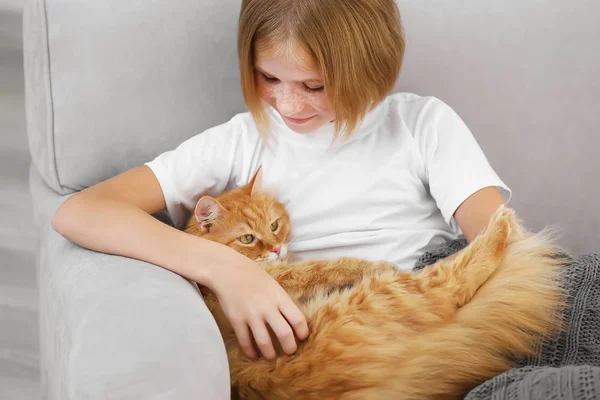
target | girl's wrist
[{"x": 211, "y": 260}]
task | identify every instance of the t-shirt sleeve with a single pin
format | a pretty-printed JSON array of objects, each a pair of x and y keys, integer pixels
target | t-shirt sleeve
[
  {"x": 209, "y": 163},
  {"x": 455, "y": 165}
]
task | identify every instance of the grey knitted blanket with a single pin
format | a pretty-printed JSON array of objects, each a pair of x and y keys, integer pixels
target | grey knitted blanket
[{"x": 569, "y": 367}]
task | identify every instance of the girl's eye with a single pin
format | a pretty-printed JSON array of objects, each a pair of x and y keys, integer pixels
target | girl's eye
[
  {"x": 269, "y": 79},
  {"x": 274, "y": 226},
  {"x": 246, "y": 239},
  {"x": 315, "y": 90},
  {"x": 275, "y": 80}
]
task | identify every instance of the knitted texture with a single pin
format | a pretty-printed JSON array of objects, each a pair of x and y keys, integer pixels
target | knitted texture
[{"x": 569, "y": 366}]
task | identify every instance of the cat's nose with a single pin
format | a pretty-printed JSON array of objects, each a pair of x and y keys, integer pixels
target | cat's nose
[{"x": 276, "y": 249}]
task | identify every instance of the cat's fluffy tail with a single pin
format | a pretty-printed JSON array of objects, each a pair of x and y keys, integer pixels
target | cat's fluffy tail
[{"x": 518, "y": 306}]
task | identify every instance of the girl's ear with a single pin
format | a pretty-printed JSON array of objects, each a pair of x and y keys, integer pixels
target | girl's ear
[
  {"x": 256, "y": 182},
  {"x": 207, "y": 211}
]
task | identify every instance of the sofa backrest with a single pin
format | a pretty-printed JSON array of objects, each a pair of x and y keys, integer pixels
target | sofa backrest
[{"x": 111, "y": 84}]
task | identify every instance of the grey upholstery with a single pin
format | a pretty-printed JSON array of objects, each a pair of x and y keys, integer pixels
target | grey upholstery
[
  {"x": 117, "y": 328},
  {"x": 110, "y": 84}
]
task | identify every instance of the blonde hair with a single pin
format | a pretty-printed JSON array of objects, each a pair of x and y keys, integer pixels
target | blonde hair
[{"x": 358, "y": 46}]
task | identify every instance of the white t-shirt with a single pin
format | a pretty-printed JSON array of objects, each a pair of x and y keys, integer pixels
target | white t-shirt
[{"x": 388, "y": 192}]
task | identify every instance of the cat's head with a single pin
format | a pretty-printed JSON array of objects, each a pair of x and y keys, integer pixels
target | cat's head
[{"x": 246, "y": 219}]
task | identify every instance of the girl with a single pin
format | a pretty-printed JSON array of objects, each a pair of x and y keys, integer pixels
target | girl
[{"x": 362, "y": 173}]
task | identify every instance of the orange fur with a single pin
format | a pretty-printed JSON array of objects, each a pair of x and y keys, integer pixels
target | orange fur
[{"x": 377, "y": 333}]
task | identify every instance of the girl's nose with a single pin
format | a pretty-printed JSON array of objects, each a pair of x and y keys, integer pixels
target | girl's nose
[{"x": 289, "y": 102}]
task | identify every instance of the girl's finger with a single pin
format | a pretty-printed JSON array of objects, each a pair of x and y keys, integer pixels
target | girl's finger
[
  {"x": 263, "y": 339},
  {"x": 294, "y": 317},
  {"x": 242, "y": 332},
  {"x": 283, "y": 331}
]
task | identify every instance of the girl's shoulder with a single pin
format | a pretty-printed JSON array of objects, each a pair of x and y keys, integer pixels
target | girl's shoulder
[
  {"x": 407, "y": 102},
  {"x": 417, "y": 111},
  {"x": 240, "y": 126}
]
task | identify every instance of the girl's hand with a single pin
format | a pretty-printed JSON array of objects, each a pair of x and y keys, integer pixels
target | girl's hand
[{"x": 251, "y": 299}]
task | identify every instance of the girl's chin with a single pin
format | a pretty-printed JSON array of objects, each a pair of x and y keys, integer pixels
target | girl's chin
[{"x": 308, "y": 128}]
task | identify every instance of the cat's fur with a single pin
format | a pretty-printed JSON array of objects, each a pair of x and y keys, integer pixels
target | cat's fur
[{"x": 377, "y": 333}]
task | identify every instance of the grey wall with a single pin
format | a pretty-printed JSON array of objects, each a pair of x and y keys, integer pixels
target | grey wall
[
  {"x": 19, "y": 348},
  {"x": 525, "y": 76},
  {"x": 10, "y": 29},
  {"x": 11, "y": 5}
]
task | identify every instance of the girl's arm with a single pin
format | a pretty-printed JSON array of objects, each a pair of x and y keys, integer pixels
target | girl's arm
[
  {"x": 114, "y": 217},
  {"x": 475, "y": 212}
]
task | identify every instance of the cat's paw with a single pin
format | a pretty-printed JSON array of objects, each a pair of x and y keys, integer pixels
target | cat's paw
[
  {"x": 518, "y": 231},
  {"x": 502, "y": 212},
  {"x": 499, "y": 230},
  {"x": 505, "y": 214}
]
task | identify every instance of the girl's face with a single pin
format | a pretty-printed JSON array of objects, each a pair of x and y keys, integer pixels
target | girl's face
[{"x": 295, "y": 91}]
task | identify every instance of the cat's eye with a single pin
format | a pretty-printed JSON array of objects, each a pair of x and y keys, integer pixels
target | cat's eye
[
  {"x": 274, "y": 226},
  {"x": 246, "y": 239}
]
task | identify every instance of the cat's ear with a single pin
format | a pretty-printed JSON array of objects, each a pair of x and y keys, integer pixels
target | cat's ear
[
  {"x": 207, "y": 211},
  {"x": 256, "y": 182}
]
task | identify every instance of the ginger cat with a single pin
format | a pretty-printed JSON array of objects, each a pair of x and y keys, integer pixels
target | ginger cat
[{"x": 378, "y": 333}]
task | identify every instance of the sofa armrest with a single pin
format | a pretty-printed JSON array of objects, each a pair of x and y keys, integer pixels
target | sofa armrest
[{"x": 117, "y": 328}]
